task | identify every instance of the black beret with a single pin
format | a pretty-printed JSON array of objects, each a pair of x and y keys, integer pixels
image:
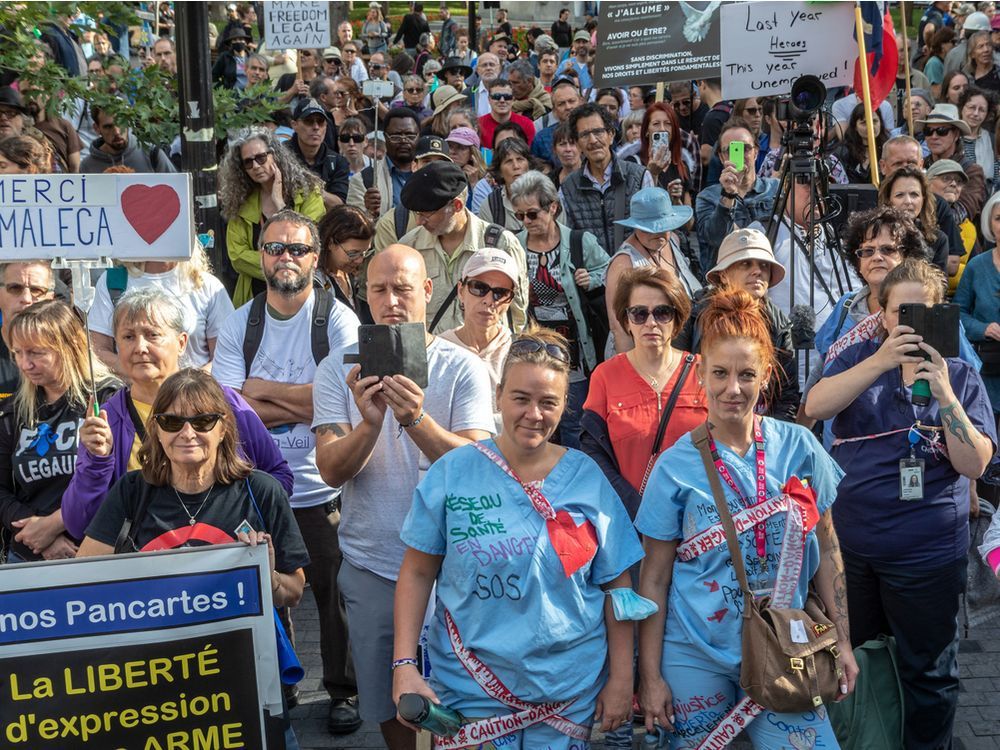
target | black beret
[{"x": 431, "y": 187}]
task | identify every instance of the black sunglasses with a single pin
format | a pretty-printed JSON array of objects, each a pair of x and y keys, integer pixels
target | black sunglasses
[
  {"x": 530, "y": 346},
  {"x": 662, "y": 314},
  {"x": 411, "y": 90},
  {"x": 502, "y": 97},
  {"x": 277, "y": 249},
  {"x": 531, "y": 214},
  {"x": 942, "y": 131},
  {"x": 175, "y": 422},
  {"x": 256, "y": 159},
  {"x": 480, "y": 289},
  {"x": 349, "y": 138}
]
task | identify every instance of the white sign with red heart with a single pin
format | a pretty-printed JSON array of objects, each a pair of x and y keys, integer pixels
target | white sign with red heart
[{"x": 122, "y": 216}]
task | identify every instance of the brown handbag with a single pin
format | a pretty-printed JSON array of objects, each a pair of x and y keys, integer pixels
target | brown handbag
[{"x": 778, "y": 671}]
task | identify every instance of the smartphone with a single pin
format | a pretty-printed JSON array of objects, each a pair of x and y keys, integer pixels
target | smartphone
[
  {"x": 378, "y": 89},
  {"x": 736, "y": 155},
  {"x": 661, "y": 138},
  {"x": 938, "y": 325}
]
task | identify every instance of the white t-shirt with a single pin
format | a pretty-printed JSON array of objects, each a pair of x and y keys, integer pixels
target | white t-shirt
[
  {"x": 206, "y": 309},
  {"x": 285, "y": 356},
  {"x": 375, "y": 502}
]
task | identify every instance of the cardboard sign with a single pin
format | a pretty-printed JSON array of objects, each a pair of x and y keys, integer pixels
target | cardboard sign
[
  {"x": 642, "y": 43},
  {"x": 304, "y": 25},
  {"x": 146, "y": 651},
  {"x": 766, "y": 46},
  {"x": 75, "y": 216}
]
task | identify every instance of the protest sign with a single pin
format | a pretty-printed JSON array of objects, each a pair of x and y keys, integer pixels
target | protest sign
[
  {"x": 304, "y": 25},
  {"x": 649, "y": 42},
  {"x": 766, "y": 46},
  {"x": 77, "y": 216},
  {"x": 148, "y": 652}
]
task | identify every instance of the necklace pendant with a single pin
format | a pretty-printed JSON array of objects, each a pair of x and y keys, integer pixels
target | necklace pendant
[
  {"x": 191, "y": 522},
  {"x": 763, "y": 564}
]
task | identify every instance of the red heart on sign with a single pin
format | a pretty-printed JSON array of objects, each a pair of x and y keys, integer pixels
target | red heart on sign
[
  {"x": 575, "y": 545},
  {"x": 150, "y": 209}
]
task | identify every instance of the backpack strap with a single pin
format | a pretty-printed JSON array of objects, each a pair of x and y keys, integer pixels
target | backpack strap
[
  {"x": 497, "y": 208},
  {"x": 254, "y": 332},
  {"x": 452, "y": 294},
  {"x": 323, "y": 302},
  {"x": 117, "y": 280},
  {"x": 491, "y": 238},
  {"x": 400, "y": 217},
  {"x": 576, "y": 249}
]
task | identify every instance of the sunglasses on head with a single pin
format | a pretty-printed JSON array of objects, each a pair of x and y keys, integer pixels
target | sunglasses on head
[
  {"x": 662, "y": 314},
  {"x": 941, "y": 131},
  {"x": 277, "y": 249},
  {"x": 175, "y": 422},
  {"x": 884, "y": 250},
  {"x": 530, "y": 346},
  {"x": 256, "y": 159},
  {"x": 479, "y": 288},
  {"x": 350, "y": 138},
  {"x": 502, "y": 97}
]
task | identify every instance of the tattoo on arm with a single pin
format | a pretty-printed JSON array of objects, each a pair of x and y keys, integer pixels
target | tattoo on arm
[
  {"x": 839, "y": 614},
  {"x": 954, "y": 419},
  {"x": 326, "y": 429}
]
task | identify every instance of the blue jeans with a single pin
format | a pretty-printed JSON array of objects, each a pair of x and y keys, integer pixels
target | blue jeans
[{"x": 568, "y": 434}]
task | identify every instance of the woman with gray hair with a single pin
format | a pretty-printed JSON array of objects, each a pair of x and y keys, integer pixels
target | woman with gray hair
[
  {"x": 563, "y": 294},
  {"x": 150, "y": 333},
  {"x": 511, "y": 159},
  {"x": 258, "y": 178}
]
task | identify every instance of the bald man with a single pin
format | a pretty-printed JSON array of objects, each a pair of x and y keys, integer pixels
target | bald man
[{"x": 375, "y": 437}]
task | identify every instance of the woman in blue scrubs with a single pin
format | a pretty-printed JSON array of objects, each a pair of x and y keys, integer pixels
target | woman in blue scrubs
[{"x": 524, "y": 539}]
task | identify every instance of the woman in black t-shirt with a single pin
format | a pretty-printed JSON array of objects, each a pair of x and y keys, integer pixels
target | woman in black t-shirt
[
  {"x": 194, "y": 489},
  {"x": 39, "y": 426}
]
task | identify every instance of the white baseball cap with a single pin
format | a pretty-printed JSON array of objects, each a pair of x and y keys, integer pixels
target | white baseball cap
[{"x": 490, "y": 259}]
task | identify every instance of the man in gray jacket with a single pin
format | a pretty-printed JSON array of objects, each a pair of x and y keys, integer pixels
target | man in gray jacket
[{"x": 117, "y": 147}]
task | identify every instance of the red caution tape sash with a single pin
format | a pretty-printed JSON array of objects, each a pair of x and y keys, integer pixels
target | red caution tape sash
[{"x": 715, "y": 535}]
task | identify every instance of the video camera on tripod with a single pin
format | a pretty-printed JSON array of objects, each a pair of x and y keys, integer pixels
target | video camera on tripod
[{"x": 798, "y": 112}]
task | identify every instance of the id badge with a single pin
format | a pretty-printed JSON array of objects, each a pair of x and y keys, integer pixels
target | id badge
[{"x": 911, "y": 479}]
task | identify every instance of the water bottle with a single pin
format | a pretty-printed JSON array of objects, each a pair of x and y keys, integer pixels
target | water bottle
[{"x": 437, "y": 719}]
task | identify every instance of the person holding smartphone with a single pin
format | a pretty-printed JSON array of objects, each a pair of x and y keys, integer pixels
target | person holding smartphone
[
  {"x": 662, "y": 152},
  {"x": 905, "y": 548}
]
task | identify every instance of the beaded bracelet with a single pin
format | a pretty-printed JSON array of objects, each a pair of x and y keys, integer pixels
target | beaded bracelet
[{"x": 404, "y": 662}]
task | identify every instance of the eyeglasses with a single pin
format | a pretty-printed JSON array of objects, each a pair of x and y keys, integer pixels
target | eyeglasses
[
  {"x": 530, "y": 346},
  {"x": 531, "y": 214},
  {"x": 355, "y": 254},
  {"x": 412, "y": 90},
  {"x": 682, "y": 102},
  {"x": 9, "y": 114},
  {"x": 886, "y": 251},
  {"x": 479, "y": 288},
  {"x": 258, "y": 159},
  {"x": 376, "y": 66},
  {"x": 277, "y": 249},
  {"x": 754, "y": 111},
  {"x": 16, "y": 290},
  {"x": 502, "y": 97},
  {"x": 350, "y": 52},
  {"x": 402, "y": 137},
  {"x": 942, "y": 131},
  {"x": 592, "y": 133},
  {"x": 175, "y": 422},
  {"x": 349, "y": 138},
  {"x": 338, "y": 93},
  {"x": 950, "y": 179},
  {"x": 662, "y": 314}
]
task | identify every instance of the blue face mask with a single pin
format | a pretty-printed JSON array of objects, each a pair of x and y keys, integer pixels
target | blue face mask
[{"x": 628, "y": 605}]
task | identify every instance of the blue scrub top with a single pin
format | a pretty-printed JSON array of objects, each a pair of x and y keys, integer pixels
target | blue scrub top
[
  {"x": 705, "y": 600},
  {"x": 542, "y": 633},
  {"x": 870, "y": 518}
]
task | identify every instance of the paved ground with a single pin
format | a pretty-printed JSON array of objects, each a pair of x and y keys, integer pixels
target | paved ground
[{"x": 977, "y": 726}]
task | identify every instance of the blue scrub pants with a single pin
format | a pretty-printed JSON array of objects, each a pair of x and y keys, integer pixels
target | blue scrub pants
[
  {"x": 919, "y": 606},
  {"x": 704, "y": 693}
]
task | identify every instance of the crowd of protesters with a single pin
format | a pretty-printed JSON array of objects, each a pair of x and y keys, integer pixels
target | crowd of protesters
[{"x": 607, "y": 294}]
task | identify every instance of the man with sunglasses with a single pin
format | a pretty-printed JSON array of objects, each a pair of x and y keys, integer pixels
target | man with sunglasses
[
  {"x": 502, "y": 110},
  {"x": 447, "y": 234},
  {"x": 376, "y": 437},
  {"x": 311, "y": 123},
  {"x": 277, "y": 382},
  {"x": 943, "y": 131},
  {"x": 21, "y": 285}
]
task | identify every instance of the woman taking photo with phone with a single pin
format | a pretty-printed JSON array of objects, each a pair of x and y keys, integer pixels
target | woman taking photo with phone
[
  {"x": 690, "y": 650},
  {"x": 545, "y": 622},
  {"x": 906, "y": 548}
]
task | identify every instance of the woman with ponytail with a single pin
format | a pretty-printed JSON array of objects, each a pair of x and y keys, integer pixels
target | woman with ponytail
[{"x": 690, "y": 650}]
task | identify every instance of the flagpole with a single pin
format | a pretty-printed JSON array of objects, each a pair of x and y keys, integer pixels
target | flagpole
[
  {"x": 863, "y": 64},
  {"x": 906, "y": 64}
]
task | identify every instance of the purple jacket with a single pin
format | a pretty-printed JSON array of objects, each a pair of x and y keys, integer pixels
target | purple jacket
[{"x": 95, "y": 475}]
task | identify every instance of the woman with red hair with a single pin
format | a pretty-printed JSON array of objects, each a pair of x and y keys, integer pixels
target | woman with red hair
[{"x": 669, "y": 153}]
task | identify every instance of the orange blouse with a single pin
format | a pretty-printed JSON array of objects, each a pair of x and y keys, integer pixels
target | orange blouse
[{"x": 632, "y": 409}]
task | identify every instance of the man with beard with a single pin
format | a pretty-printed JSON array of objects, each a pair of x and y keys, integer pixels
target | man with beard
[
  {"x": 296, "y": 327},
  {"x": 117, "y": 147},
  {"x": 376, "y": 189}
]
